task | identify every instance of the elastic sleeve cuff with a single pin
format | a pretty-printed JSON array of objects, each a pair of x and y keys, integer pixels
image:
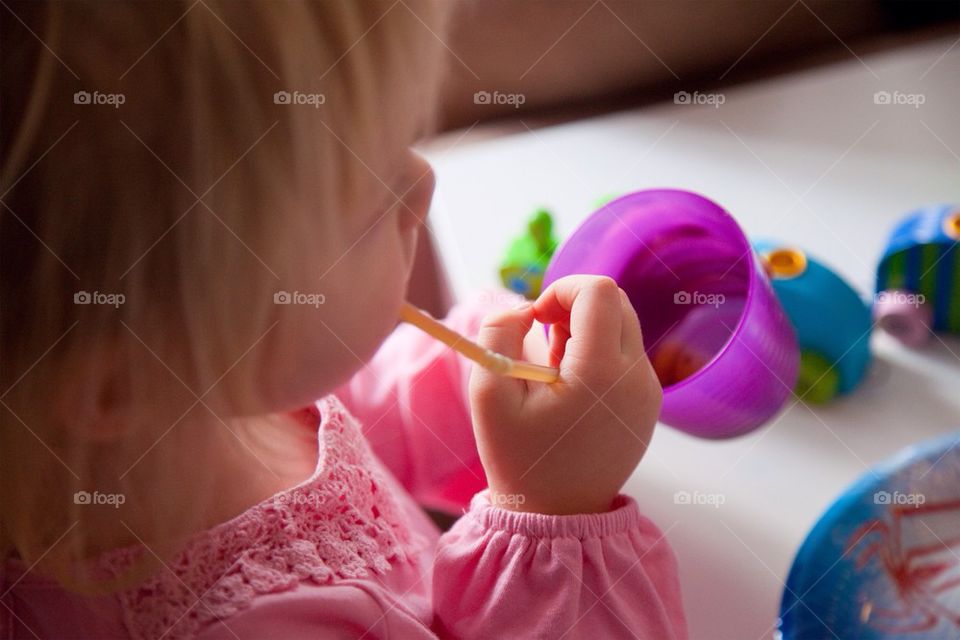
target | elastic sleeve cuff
[{"x": 624, "y": 515}]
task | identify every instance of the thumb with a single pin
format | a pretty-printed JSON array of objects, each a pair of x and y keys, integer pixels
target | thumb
[{"x": 502, "y": 332}]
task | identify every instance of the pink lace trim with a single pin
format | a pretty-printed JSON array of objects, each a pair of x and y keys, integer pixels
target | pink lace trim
[{"x": 343, "y": 522}]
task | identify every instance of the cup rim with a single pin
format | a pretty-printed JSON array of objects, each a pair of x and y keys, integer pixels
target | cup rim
[{"x": 753, "y": 280}]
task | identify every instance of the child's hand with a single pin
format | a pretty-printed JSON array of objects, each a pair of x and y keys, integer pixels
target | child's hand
[{"x": 566, "y": 447}]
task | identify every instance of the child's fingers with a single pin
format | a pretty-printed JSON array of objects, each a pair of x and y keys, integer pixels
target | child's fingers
[
  {"x": 536, "y": 346},
  {"x": 504, "y": 333},
  {"x": 592, "y": 304},
  {"x": 559, "y": 334},
  {"x": 631, "y": 338}
]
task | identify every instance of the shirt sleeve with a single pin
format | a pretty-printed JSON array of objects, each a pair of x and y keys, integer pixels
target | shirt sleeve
[
  {"x": 497, "y": 574},
  {"x": 412, "y": 401},
  {"x": 344, "y": 611},
  {"x": 506, "y": 574}
]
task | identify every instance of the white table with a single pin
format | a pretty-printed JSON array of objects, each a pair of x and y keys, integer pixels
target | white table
[{"x": 807, "y": 157}]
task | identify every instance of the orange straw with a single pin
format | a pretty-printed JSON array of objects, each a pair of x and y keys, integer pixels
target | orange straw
[{"x": 496, "y": 362}]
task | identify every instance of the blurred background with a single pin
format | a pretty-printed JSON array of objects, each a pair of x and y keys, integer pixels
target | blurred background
[{"x": 573, "y": 59}]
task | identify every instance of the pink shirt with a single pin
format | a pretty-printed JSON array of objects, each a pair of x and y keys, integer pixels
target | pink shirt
[{"x": 349, "y": 553}]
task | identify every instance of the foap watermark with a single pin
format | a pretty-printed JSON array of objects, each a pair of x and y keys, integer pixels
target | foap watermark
[
  {"x": 507, "y": 499},
  {"x": 96, "y": 98},
  {"x": 96, "y": 498},
  {"x": 299, "y": 297},
  {"x": 699, "y": 498},
  {"x": 485, "y": 97},
  {"x": 898, "y": 97},
  {"x": 900, "y": 298},
  {"x": 711, "y": 99},
  {"x": 500, "y": 298},
  {"x": 311, "y": 498},
  {"x": 899, "y": 499},
  {"x": 98, "y": 297},
  {"x": 699, "y": 298},
  {"x": 299, "y": 98}
]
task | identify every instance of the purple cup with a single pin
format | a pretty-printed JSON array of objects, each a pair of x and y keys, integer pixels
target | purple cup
[{"x": 725, "y": 351}]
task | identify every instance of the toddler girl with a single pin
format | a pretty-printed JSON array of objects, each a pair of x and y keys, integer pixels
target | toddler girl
[{"x": 209, "y": 214}]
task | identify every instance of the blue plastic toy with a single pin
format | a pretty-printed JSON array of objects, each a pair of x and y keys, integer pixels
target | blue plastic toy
[
  {"x": 832, "y": 321},
  {"x": 918, "y": 278}
]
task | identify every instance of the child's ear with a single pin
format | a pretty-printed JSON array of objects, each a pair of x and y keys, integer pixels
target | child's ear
[{"x": 95, "y": 399}]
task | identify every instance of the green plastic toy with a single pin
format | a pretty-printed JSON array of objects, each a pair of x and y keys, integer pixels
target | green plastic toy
[
  {"x": 819, "y": 379},
  {"x": 527, "y": 257}
]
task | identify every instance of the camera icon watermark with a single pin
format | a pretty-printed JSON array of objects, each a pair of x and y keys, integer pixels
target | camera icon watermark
[
  {"x": 898, "y": 297},
  {"x": 897, "y": 498},
  {"x": 698, "y": 98},
  {"x": 96, "y": 297},
  {"x": 914, "y": 100},
  {"x": 499, "y": 298},
  {"x": 486, "y": 97},
  {"x": 297, "y": 297},
  {"x": 299, "y": 98},
  {"x": 99, "y": 499},
  {"x": 299, "y": 498},
  {"x": 698, "y": 298},
  {"x": 96, "y": 98},
  {"x": 715, "y": 500}
]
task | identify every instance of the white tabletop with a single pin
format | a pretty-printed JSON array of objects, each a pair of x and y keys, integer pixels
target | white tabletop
[{"x": 810, "y": 158}]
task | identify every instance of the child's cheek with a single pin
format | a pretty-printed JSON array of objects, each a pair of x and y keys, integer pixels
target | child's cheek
[
  {"x": 397, "y": 248},
  {"x": 386, "y": 270}
]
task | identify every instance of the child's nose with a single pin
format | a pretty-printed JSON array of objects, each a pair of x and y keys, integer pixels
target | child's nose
[{"x": 419, "y": 192}]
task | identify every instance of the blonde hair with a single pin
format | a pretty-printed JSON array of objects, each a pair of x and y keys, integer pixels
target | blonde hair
[{"x": 108, "y": 198}]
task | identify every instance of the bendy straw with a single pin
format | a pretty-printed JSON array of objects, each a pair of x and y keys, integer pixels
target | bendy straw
[{"x": 496, "y": 362}]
